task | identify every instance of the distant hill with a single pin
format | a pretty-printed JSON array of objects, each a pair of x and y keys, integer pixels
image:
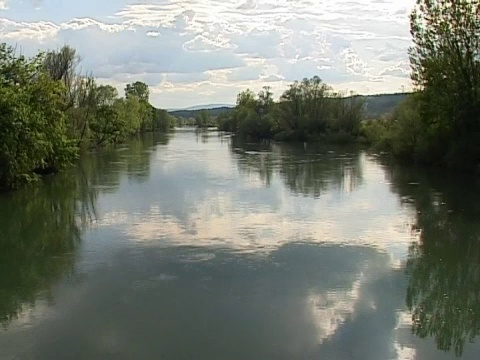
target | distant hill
[
  {"x": 206, "y": 107},
  {"x": 194, "y": 111},
  {"x": 376, "y": 105},
  {"x": 383, "y": 104}
]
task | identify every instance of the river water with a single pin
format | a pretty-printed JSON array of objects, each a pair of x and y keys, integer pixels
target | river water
[{"x": 195, "y": 246}]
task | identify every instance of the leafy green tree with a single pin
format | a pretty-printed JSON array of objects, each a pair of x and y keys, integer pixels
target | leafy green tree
[
  {"x": 61, "y": 66},
  {"x": 446, "y": 70},
  {"x": 347, "y": 113},
  {"x": 128, "y": 111},
  {"x": 162, "y": 120},
  {"x": 265, "y": 102},
  {"x": 106, "y": 126},
  {"x": 106, "y": 95},
  {"x": 226, "y": 122},
  {"x": 203, "y": 119},
  {"x": 83, "y": 110},
  {"x": 307, "y": 110},
  {"x": 291, "y": 109},
  {"x": 48, "y": 111},
  {"x": 33, "y": 130},
  {"x": 304, "y": 106},
  {"x": 252, "y": 116},
  {"x": 139, "y": 90}
]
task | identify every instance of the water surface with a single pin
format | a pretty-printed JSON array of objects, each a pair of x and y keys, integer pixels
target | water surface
[{"x": 195, "y": 246}]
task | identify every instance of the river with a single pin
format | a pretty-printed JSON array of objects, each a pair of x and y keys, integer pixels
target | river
[{"x": 195, "y": 246}]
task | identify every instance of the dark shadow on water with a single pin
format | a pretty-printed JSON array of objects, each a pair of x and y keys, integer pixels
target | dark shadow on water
[
  {"x": 41, "y": 227},
  {"x": 306, "y": 169},
  {"x": 443, "y": 268}
]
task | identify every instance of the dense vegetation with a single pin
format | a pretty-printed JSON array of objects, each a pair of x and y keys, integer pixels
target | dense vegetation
[
  {"x": 307, "y": 110},
  {"x": 49, "y": 112},
  {"x": 375, "y": 106},
  {"x": 440, "y": 123}
]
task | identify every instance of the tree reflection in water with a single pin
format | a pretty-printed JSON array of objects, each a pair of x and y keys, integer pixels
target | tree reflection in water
[
  {"x": 40, "y": 229},
  {"x": 41, "y": 226},
  {"x": 443, "y": 268},
  {"x": 306, "y": 169}
]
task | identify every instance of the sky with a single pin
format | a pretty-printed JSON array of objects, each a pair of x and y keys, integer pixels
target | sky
[{"x": 207, "y": 51}]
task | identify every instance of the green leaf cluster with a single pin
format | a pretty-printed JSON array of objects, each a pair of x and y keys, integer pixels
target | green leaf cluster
[
  {"x": 33, "y": 125},
  {"x": 49, "y": 113},
  {"x": 440, "y": 123},
  {"x": 307, "y": 110}
]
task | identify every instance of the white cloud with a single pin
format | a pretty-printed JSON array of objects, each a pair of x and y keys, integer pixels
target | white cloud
[
  {"x": 3, "y": 5},
  {"x": 358, "y": 43}
]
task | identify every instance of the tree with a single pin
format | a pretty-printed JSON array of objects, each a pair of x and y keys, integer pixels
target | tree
[
  {"x": 347, "y": 113},
  {"x": 106, "y": 126},
  {"x": 138, "y": 89},
  {"x": 315, "y": 94},
  {"x": 162, "y": 120},
  {"x": 33, "y": 130},
  {"x": 307, "y": 110},
  {"x": 48, "y": 112},
  {"x": 291, "y": 108},
  {"x": 252, "y": 116},
  {"x": 61, "y": 66},
  {"x": 246, "y": 98},
  {"x": 203, "y": 119},
  {"x": 446, "y": 70},
  {"x": 265, "y": 101},
  {"x": 106, "y": 95},
  {"x": 304, "y": 106}
]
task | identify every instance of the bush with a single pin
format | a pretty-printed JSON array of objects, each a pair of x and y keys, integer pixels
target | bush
[{"x": 33, "y": 130}]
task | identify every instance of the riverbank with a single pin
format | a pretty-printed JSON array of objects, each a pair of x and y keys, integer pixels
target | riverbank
[{"x": 50, "y": 113}]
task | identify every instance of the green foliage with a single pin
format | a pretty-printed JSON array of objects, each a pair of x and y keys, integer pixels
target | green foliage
[
  {"x": 138, "y": 89},
  {"x": 304, "y": 106},
  {"x": 106, "y": 95},
  {"x": 225, "y": 122},
  {"x": 377, "y": 132},
  {"x": 440, "y": 123},
  {"x": 446, "y": 70},
  {"x": 33, "y": 131},
  {"x": 203, "y": 119},
  {"x": 307, "y": 111},
  {"x": 162, "y": 120},
  {"x": 252, "y": 117},
  {"x": 346, "y": 114},
  {"x": 400, "y": 132},
  {"x": 48, "y": 112}
]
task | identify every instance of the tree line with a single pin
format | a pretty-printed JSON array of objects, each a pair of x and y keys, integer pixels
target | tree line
[
  {"x": 307, "y": 110},
  {"x": 439, "y": 124},
  {"x": 50, "y": 112}
]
